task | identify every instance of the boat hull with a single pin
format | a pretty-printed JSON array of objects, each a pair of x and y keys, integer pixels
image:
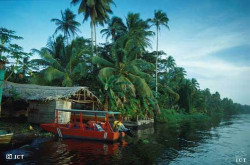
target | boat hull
[
  {"x": 5, "y": 139},
  {"x": 63, "y": 131}
]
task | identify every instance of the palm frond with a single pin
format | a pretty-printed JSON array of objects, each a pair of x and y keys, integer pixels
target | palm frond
[
  {"x": 141, "y": 86},
  {"x": 102, "y": 62},
  {"x": 106, "y": 72}
]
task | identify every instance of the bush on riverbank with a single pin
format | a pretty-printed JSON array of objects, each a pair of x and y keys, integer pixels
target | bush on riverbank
[{"x": 171, "y": 116}]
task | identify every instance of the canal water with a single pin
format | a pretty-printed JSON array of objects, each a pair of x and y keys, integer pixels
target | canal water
[{"x": 220, "y": 141}]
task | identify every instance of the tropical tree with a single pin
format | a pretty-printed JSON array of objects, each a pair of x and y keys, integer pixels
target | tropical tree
[
  {"x": 98, "y": 12},
  {"x": 160, "y": 19},
  {"x": 68, "y": 25},
  {"x": 13, "y": 52},
  {"x": 59, "y": 64},
  {"x": 115, "y": 28},
  {"x": 112, "y": 91},
  {"x": 6, "y": 36},
  {"x": 186, "y": 95},
  {"x": 195, "y": 85},
  {"x": 170, "y": 62},
  {"x": 127, "y": 72},
  {"x": 17, "y": 55},
  {"x": 135, "y": 39}
]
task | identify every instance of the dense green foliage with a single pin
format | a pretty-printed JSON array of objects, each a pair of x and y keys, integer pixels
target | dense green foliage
[{"x": 122, "y": 71}]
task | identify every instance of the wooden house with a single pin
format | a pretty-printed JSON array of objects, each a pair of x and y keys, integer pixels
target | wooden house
[{"x": 43, "y": 100}]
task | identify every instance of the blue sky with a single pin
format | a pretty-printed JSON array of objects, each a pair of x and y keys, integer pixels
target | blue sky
[{"x": 209, "y": 38}]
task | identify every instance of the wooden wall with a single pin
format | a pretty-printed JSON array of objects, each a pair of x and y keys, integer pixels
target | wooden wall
[
  {"x": 44, "y": 112},
  {"x": 41, "y": 112},
  {"x": 64, "y": 117}
]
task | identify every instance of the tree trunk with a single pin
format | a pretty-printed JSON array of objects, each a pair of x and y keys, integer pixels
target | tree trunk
[
  {"x": 106, "y": 104},
  {"x": 156, "y": 63},
  {"x": 2, "y": 71},
  {"x": 92, "y": 40},
  {"x": 96, "y": 51},
  {"x": 70, "y": 66},
  {"x": 157, "y": 111},
  {"x": 65, "y": 37}
]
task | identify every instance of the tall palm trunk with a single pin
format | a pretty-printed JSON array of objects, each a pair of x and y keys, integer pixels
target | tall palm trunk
[
  {"x": 66, "y": 37},
  {"x": 92, "y": 40},
  {"x": 156, "y": 63},
  {"x": 96, "y": 51},
  {"x": 70, "y": 66}
]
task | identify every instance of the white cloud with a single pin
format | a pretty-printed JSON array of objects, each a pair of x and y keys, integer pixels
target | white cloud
[
  {"x": 229, "y": 80},
  {"x": 193, "y": 51}
]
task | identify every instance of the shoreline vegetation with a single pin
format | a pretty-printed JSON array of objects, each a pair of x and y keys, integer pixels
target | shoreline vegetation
[
  {"x": 24, "y": 132},
  {"x": 123, "y": 72}
]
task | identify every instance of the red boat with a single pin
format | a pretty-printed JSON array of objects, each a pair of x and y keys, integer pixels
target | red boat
[{"x": 91, "y": 130}]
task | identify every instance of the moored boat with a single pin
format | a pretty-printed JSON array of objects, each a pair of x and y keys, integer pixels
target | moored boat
[
  {"x": 91, "y": 130},
  {"x": 5, "y": 137}
]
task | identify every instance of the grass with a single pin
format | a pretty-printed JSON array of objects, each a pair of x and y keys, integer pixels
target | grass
[{"x": 171, "y": 116}]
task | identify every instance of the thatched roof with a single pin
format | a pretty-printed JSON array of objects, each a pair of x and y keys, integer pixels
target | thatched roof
[{"x": 30, "y": 92}]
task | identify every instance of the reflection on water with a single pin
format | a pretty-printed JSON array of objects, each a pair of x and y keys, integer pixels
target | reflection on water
[{"x": 190, "y": 142}]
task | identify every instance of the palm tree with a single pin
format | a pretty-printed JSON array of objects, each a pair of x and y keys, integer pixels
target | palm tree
[
  {"x": 165, "y": 65},
  {"x": 135, "y": 39},
  {"x": 68, "y": 25},
  {"x": 185, "y": 92},
  {"x": 115, "y": 28},
  {"x": 170, "y": 62},
  {"x": 60, "y": 65},
  {"x": 113, "y": 93},
  {"x": 160, "y": 19},
  {"x": 138, "y": 32},
  {"x": 97, "y": 11},
  {"x": 195, "y": 85},
  {"x": 126, "y": 70}
]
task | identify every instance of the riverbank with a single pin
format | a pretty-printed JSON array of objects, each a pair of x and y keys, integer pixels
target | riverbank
[
  {"x": 24, "y": 132},
  {"x": 172, "y": 116}
]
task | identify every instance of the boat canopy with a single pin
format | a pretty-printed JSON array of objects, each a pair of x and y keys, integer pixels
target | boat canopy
[{"x": 89, "y": 111}]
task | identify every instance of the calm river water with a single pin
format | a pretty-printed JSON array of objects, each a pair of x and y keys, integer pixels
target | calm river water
[{"x": 221, "y": 141}]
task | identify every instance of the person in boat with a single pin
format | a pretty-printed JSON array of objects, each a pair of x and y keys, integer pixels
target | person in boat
[
  {"x": 119, "y": 127},
  {"x": 95, "y": 125},
  {"x": 98, "y": 127}
]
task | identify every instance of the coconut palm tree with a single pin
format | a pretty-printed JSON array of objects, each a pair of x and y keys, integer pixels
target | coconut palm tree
[
  {"x": 68, "y": 25},
  {"x": 160, "y": 19},
  {"x": 113, "y": 93},
  {"x": 138, "y": 32},
  {"x": 59, "y": 64},
  {"x": 170, "y": 62},
  {"x": 135, "y": 39},
  {"x": 195, "y": 85},
  {"x": 185, "y": 92},
  {"x": 97, "y": 11},
  {"x": 115, "y": 28},
  {"x": 126, "y": 70}
]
